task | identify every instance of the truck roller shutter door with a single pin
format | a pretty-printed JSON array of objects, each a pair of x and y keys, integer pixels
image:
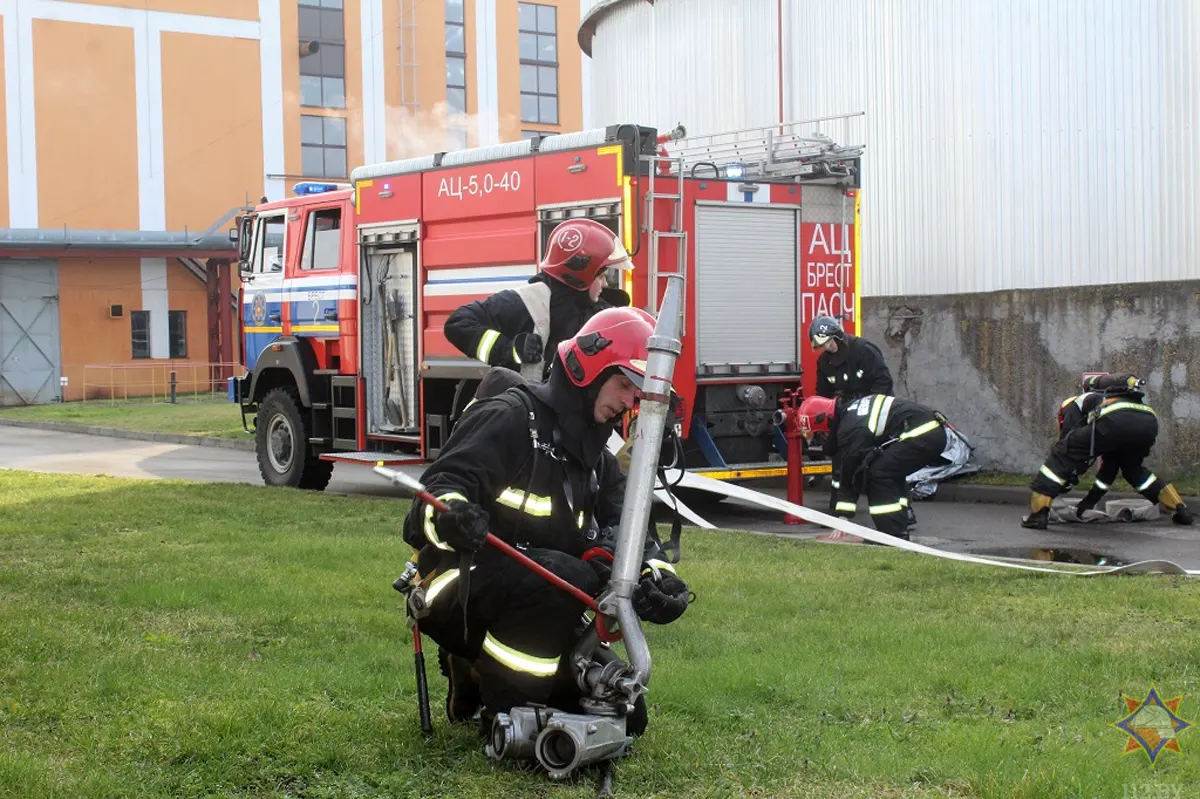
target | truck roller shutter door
[{"x": 746, "y": 292}]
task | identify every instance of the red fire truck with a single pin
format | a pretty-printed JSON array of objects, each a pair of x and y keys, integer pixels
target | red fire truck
[{"x": 345, "y": 288}]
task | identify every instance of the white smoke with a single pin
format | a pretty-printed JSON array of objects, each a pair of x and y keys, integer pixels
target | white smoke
[{"x": 412, "y": 133}]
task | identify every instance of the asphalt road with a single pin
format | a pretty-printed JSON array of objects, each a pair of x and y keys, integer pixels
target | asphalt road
[{"x": 975, "y": 528}]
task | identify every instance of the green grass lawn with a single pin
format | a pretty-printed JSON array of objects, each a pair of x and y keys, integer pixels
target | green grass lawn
[
  {"x": 186, "y": 640},
  {"x": 215, "y": 417}
]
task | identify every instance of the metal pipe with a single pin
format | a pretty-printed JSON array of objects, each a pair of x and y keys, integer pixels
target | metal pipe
[
  {"x": 65, "y": 238},
  {"x": 779, "y": 45},
  {"x": 664, "y": 348}
]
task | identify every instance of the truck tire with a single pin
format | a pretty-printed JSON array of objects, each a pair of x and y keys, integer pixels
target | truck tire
[{"x": 281, "y": 444}]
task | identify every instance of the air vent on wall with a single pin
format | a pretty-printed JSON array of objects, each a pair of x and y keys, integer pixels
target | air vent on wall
[{"x": 116, "y": 311}]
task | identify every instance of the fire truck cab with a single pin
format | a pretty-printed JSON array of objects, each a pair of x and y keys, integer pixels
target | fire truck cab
[{"x": 346, "y": 287}]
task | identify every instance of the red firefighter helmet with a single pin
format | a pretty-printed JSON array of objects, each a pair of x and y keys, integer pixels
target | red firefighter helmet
[
  {"x": 614, "y": 337},
  {"x": 815, "y": 413},
  {"x": 579, "y": 250}
]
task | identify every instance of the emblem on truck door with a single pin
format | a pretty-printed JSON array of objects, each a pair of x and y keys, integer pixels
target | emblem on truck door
[{"x": 259, "y": 308}]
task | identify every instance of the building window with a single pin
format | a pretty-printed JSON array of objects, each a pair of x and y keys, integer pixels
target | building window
[
  {"x": 322, "y": 239},
  {"x": 456, "y": 58},
  {"x": 322, "y": 147},
  {"x": 139, "y": 333},
  {"x": 323, "y": 54},
  {"x": 536, "y": 135},
  {"x": 177, "y": 322},
  {"x": 538, "y": 47}
]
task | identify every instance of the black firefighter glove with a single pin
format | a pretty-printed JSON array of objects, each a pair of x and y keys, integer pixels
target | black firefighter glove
[
  {"x": 660, "y": 601},
  {"x": 529, "y": 347},
  {"x": 464, "y": 526},
  {"x": 1088, "y": 502}
]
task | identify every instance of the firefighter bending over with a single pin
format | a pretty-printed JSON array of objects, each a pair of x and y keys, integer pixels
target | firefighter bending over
[
  {"x": 880, "y": 440},
  {"x": 1110, "y": 421},
  {"x": 518, "y": 328},
  {"x": 850, "y": 367},
  {"x": 504, "y": 632}
]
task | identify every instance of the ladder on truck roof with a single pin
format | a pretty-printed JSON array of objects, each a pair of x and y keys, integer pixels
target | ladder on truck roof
[{"x": 795, "y": 151}]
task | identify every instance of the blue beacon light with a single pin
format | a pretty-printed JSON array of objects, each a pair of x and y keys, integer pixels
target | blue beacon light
[{"x": 309, "y": 187}]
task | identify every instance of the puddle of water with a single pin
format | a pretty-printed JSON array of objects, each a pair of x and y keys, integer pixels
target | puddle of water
[{"x": 1081, "y": 556}]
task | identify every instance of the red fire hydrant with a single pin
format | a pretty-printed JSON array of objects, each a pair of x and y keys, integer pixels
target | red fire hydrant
[{"x": 788, "y": 417}]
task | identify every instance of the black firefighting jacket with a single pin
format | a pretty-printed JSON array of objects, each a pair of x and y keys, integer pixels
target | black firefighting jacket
[
  {"x": 556, "y": 491},
  {"x": 486, "y": 329},
  {"x": 855, "y": 370},
  {"x": 861, "y": 425},
  {"x": 1080, "y": 410}
]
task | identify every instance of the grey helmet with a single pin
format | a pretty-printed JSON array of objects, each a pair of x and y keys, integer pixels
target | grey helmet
[{"x": 824, "y": 328}]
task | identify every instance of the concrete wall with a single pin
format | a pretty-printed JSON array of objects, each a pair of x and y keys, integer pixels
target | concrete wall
[{"x": 999, "y": 364}]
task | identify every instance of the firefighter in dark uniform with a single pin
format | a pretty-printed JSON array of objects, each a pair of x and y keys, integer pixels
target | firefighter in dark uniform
[
  {"x": 1110, "y": 421},
  {"x": 881, "y": 440},
  {"x": 849, "y": 367},
  {"x": 504, "y": 631},
  {"x": 569, "y": 288}
]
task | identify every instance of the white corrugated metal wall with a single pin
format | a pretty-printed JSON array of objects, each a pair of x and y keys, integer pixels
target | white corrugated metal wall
[{"x": 1010, "y": 143}]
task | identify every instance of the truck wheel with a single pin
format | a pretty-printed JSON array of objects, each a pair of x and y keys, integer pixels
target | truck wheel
[{"x": 281, "y": 443}]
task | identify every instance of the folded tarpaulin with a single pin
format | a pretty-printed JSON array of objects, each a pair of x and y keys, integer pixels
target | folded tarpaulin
[{"x": 955, "y": 462}]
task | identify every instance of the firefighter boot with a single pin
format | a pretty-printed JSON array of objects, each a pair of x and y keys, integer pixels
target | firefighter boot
[
  {"x": 1171, "y": 500},
  {"x": 462, "y": 693},
  {"x": 1039, "y": 516}
]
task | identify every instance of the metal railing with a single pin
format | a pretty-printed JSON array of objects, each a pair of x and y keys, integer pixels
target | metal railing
[
  {"x": 793, "y": 149},
  {"x": 156, "y": 382}
]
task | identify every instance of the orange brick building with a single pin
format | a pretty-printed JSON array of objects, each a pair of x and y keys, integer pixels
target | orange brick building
[{"x": 136, "y": 129}]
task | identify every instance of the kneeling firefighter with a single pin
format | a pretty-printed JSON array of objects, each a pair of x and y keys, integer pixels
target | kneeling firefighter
[
  {"x": 518, "y": 328},
  {"x": 880, "y": 440},
  {"x": 530, "y": 465},
  {"x": 1109, "y": 420}
]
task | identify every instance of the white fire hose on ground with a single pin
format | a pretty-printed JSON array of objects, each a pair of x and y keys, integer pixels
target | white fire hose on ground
[{"x": 702, "y": 483}]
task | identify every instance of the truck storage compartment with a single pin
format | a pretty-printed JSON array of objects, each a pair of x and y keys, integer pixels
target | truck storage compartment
[{"x": 390, "y": 354}]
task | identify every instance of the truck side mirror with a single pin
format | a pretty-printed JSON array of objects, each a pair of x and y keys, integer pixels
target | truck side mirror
[{"x": 244, "y": 236}]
